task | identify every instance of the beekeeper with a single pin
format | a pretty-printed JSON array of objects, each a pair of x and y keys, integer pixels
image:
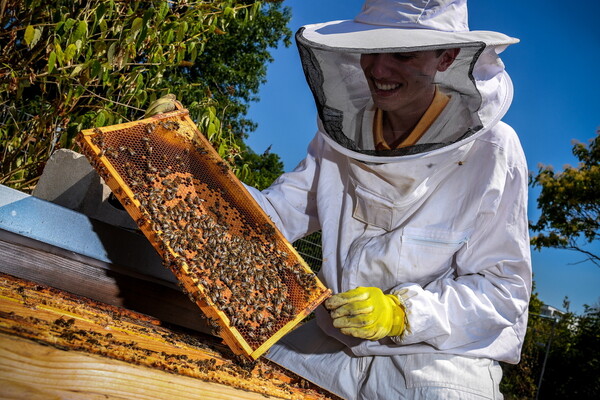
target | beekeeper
[{"x": 420, "y": 193}]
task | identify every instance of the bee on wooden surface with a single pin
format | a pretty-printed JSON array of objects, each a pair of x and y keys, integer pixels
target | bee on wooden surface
[
  {"x": 170, "y": 125},
  {"x": 141, "y": 221}
]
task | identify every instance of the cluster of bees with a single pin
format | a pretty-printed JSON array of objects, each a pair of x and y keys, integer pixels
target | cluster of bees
[{"x": 228, "y": 254}]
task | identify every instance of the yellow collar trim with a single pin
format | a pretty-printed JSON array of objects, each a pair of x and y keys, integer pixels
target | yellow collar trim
[{"x": 435, "y": 109}]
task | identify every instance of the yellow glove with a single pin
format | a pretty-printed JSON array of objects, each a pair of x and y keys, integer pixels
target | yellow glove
[
  {"x": 165, "y": 104},
  {"x": 366, "y": 313}
]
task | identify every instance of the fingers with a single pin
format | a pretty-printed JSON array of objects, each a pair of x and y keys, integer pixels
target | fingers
[
  {"x": 340, "y": 299},
  {"x": 353, "y": 308},
  {"x": 354, "y": 321}
]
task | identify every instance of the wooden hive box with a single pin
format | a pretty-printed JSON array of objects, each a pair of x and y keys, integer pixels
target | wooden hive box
[{"x": 58, "y": 345}]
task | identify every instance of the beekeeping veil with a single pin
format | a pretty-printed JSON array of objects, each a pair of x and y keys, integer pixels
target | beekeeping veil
[{"x": 479, "y": 89}]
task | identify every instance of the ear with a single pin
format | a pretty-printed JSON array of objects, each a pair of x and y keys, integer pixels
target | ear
[{"x": 447, "y": 58}]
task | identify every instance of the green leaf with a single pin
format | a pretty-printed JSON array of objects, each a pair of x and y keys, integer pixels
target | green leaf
[
  {"x": 60, "y": 55},
  {"x": 211, "y": 130},
  {"x": 180, "y": 32},
  {"x": 222, "y": 150},
  {"x": 69, "y": 24},
  {"x": 95, "y": 69},
  {"x": 181, "y": 53},
  {"x": 51, "y": 61},
  {"x": 29, "y": 33},
  {"x": 70, "y": 52},
  {"x": 193, "y": 51},
  {"x": 100, "y": 119},
  {"x": 169, "y": 37},
  {"x": 111, "y": 52},
  {"x": 100, "y": 11},
  {"x": 80, "y": 31},
  {"x": 136, "y": 25},
  {"x": 76, "y": 71},
  {"x": 164, "y": 9}
]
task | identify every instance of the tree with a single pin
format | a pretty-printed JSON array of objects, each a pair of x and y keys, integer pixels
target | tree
[
  {"x": 570, "y": 202},
  {"x": 239, "y": 63},
  {"x": 573, "y": 364},
  {"x": 71, "y": 65},
  {"x": 259, "y": 170}
]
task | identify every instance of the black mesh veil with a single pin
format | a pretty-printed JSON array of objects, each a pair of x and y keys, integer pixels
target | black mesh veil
[{"x": 345, "y": 106}]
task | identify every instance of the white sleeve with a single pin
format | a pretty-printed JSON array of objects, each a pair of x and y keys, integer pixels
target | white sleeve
[{"x": 291, "y": 200}]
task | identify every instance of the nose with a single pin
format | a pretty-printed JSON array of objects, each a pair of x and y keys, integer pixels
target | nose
[{"x": 380, "y": 65}]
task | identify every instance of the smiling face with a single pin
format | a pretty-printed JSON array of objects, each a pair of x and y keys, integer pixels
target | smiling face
[{"x": 402, "y": 83}]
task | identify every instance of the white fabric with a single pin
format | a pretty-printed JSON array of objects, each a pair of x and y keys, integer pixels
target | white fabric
[
  {"x": 324, "y": 361},
  {"x": 448, "y": 231},
  {"x": 393, "y": 24},
  {"x": 442, "y": 15},
  {"x": 441, "y": 224}
]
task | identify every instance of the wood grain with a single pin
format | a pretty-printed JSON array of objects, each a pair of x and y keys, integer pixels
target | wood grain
[
  {"x": 58, "y": 345},
  {"x": 31, "y": 371}
]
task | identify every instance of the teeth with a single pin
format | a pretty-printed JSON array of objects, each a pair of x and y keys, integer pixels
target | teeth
[{"x": 386, "y": 86}]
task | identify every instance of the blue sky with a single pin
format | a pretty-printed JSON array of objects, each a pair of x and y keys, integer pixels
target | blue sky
[{"x": 557, "y": 84}]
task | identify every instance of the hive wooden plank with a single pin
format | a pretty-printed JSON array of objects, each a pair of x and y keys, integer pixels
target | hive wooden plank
[
  {"x": 55, "y": 343},
  {"x": 107, "y": 283},
  {"x": 32, "y": 371}
]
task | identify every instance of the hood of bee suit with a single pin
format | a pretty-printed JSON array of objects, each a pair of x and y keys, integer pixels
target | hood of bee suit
[{"x": 479, "y": 89}]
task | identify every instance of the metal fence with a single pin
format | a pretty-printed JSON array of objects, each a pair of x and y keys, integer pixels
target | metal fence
[{"x": 310, "y": 249}]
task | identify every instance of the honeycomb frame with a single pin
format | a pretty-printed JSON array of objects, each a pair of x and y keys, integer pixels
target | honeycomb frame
[{"x": 225, "y": 251}]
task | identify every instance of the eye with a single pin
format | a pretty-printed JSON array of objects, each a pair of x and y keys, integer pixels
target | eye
[{"x": 404, "y": 56}]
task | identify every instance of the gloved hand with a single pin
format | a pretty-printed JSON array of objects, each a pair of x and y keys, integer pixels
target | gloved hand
[
  {"x": 367, "y": 313},
  {"x": 165, "y": 104}
]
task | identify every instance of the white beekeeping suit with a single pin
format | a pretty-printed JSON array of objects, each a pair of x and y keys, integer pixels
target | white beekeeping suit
[{"x": 438, "y": 220}]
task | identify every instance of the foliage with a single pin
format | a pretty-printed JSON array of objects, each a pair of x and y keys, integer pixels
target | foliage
[
  {"x": 71, "y": 65},
  {"x": 560, "y": 357},
  {"x": 570, "y": 202},
  {"x": 573, "y": 364},
  {"x": 242, "y": 57},
  {"x": 259, "y": 170}
]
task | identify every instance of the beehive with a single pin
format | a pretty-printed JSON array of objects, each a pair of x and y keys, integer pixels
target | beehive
[{"x": 224, "y": 250}]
